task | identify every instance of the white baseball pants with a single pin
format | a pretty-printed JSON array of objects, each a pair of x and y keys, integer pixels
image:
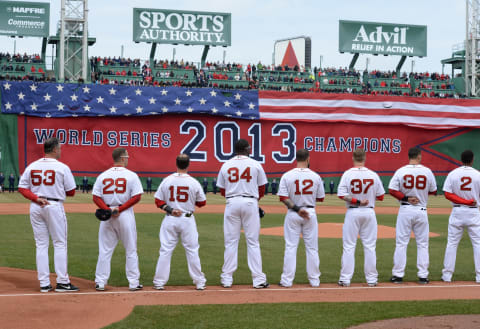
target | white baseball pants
[
  {"x": 411, "y": 218},
  {"x": 462, "y": 218},
  {"x": 294, "y": 227},
  {"x": 242, "y": 212},
  {"x": 359, "y": 221},
  {"x": 50, "y": 221},
  {"x": 121, "y": 228},
  {"x": 171, "y": 230}
]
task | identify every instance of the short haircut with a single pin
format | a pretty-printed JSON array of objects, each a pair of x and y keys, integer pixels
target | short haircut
[
  {"x": 414, "y": 152},
  {"x": 241, "y": 146},
  {"x": 183, "y": 161},
  {"x": 50, "y": 145},
  {"x": 117, "y": 153},
  {"x": 359, "y": 155},
  {"x": 467, "y": 157},
  {"x": 302, "y": 155}
]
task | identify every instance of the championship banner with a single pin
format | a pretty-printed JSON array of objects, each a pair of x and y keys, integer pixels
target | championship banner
[
  {"x": 182, "y": 27},
  {"x": 154, "y": 142}
]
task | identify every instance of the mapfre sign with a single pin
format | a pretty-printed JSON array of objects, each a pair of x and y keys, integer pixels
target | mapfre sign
[
  {"x": 181, "y": 27},
  {"x": 382, "y": 38}
]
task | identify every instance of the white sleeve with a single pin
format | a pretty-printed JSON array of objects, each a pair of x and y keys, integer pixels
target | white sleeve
[
  {"x": 342, "y": 189},
  {"x": 68, "y": 180},
  {"x": 394, "y": 182},
  {"x": 136, "y": 185},
  {"x": 380, "y": 190},
  {"x": 220, "y": 180},
  {"x": 262, "y": 178},
  {"x": 199, "y": 195},
  {"x": 321, "y": 189},
  {"x": 159, "y": 194},
  {"x": 433, "y": 182},
  {"x": 283, "y": 190},
  {"x": 97, "y": 187},
  {"x": 25, "y": 179},
  {"x": 447, "y": 186}
]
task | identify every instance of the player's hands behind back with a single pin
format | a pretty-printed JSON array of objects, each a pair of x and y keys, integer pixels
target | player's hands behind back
[{"x": 304, "y": 213}]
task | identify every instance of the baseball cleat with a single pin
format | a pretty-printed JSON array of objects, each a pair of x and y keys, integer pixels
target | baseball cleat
[
  {"x": 283, "y": 285},
  {"x": 262, "y": 285},
  {"x": 200, "y": 287},
  {"x": 139, "y": 287},
  {"x": 396, "y": 279},
  {"x": 372, "y": 284},
  {"x": 65, "y": 287},
  {"x": 159, "y": 287},
  {"x": 100, "y": 287},
  {"x": 343, "y": 284},
  {"x": 423, "y": 280},
  {"x": 226, "y": 285},
  {"x": 447, "y": 281},
  {"x": 46, "y": 288}
]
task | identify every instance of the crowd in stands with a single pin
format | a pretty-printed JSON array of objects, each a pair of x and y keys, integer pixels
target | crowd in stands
[
  {"x": 126, "y": 71},
  {"x": 18, "y": 58}
]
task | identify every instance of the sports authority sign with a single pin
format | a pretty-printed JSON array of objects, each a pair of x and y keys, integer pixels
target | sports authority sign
[
  {"x": 382, "y": 38},
  {"x": 153, "y": 142},
  {"x": 181, "y": 27},
  {"x": 24, "y": 18}
]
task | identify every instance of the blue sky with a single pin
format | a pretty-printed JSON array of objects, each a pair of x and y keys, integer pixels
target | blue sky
[{"x": 256, "y": 24}]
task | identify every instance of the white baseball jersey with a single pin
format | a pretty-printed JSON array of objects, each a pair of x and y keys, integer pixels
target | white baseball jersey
[
  {"x": 414, "y": 180},
  {"x": 241, "y": 176},
  {"x": 362, "y": 184},
  {"x": 117, "y": 185},
  {"x": 464, "y": 182},
  {"x": 180, "y": 191},
  {"x": 48, "y": 177},
  {"x": 302, "y": 185}
]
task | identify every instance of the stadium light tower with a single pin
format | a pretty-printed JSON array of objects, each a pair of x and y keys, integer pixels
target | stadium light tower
[
  {"x": 472, "y": 51},
  {"x": 73, "y": 26}
]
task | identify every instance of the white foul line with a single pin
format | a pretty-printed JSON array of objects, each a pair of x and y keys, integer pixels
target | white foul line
[{"x": 319, "y": 289}]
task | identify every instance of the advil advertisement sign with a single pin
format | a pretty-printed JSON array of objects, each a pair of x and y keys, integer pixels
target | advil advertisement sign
[{"x": 154, "y": 142}]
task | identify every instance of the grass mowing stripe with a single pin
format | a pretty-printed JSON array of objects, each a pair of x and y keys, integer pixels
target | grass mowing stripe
[
  {"x": 289, "y": 315},
  {"x": 18, "y": 250}
]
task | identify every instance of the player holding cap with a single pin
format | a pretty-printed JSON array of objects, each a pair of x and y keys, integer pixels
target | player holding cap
[
  {"x": 118, "y": 189},
  {"x": 300, "y": 188},
  {"x": 242, "y": 181},
  {"x": 462, "y": 188},
  {"x": 178, "y": 195},
  {"x": 411, "y": 185},
  {"x": 46, "y": 182},
  {"x": 359, "y": 187}
]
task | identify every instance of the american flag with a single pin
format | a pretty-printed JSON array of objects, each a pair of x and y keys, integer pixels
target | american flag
[
  {"x": 73, "y": 100},
  {"x": 432, "y": 113}
]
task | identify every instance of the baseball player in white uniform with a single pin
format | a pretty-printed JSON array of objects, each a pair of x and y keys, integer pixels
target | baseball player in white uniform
[
  {"x": 359, "y": 187},
  {"x": 300, "y": 188},
  {"x": 46, "y": 182},
  {"x": 411, "y": 185},
  {"x": 118, "y": 189},
  {"x": 462, "y": 188},
  {"x": 242, "y": 181},
  {"x": 178, "y": 195}
]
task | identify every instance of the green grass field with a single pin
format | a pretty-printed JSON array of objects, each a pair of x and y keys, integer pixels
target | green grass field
[{"x": 18, "y": 250}]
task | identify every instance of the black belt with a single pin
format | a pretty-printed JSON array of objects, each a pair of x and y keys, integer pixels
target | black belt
[
  {"x": 189, "y": 214},
  {"x": 309, "y": 206},
  {"x": 113, "y": 205},
  {"x": 359, "y": 207},
  {"x": 461, "y": 205},
  {"x": 405, "y": 204},
  {"x": 49, "y": 199},
  {"x": 243, "y": 196}
]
